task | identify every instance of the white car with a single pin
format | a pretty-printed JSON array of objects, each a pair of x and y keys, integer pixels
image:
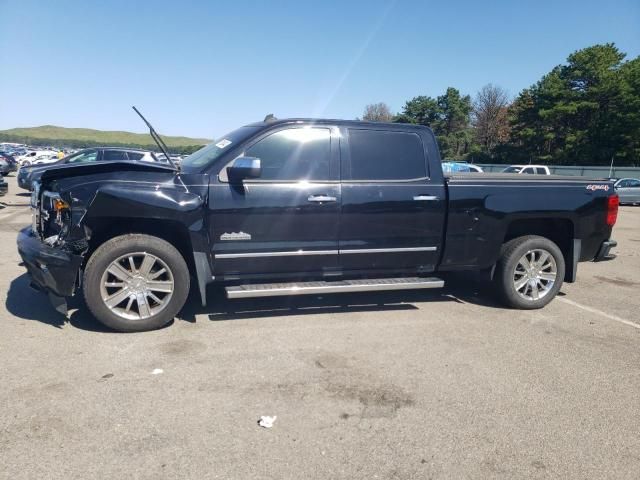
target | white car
[
  {"x": 528, "y": 169},
  {"x": 44, "y": 159},
  {"x": 29, "y": 157}
]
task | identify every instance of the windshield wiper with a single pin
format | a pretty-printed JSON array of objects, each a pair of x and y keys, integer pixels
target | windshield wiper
[{"x": 157, "y": 139}]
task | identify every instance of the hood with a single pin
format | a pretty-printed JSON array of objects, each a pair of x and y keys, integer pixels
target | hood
[{"x": 73, "y": 170}]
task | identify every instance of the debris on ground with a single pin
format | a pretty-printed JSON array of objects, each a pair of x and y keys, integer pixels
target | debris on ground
[
  {"x": 157, "y": 371},
  {"x": 266, "y": 421}
]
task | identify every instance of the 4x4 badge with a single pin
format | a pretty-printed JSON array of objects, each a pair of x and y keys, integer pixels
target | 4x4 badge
[
  {"x": 235, "y": 236},
  {"x": 594, "y": 187}
]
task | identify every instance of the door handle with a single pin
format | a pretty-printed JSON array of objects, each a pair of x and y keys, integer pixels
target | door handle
[
  {"x": 425, "y": 198},
  {"x": 321, "y": 198}
]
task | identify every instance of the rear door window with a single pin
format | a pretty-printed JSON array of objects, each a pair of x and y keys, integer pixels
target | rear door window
[
  {"x": 541, "y": 171},
  {"x": 135, "y": 155},
  {"x": 385, "y": 155},
  {"x": 633, "y": 184}
]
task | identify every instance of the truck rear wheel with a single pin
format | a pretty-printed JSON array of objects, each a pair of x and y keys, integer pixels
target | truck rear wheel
[
  {"x": 135, "y": 282},
  {"x": 529, "y": 272}
]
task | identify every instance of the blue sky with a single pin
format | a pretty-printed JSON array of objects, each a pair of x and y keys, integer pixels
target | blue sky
[{"x": 201, "y": 68}]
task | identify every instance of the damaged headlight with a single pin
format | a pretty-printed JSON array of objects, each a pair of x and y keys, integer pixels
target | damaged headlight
[
  {"x": 55, "y": 216},
  {"x": 35, "y": 208}
]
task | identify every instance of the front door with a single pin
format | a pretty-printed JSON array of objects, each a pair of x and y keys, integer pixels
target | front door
[
  {"x": 392, "y": 213},
  {"x": 285, "y": 222}
]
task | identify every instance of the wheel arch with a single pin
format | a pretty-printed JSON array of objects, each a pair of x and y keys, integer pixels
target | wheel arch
[
  {"x": 561, "y": 231},
  {"x": 169, "y": 230}
]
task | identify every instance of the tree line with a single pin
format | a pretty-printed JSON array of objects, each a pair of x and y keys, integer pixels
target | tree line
[
  {"x": 77, "y": 144},
  {"x": 583, "y": 112}
]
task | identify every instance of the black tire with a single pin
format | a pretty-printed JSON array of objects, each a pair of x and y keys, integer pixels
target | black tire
[
  {"x": 117, "y": 247},
  {"x": 510, "y": 254}
]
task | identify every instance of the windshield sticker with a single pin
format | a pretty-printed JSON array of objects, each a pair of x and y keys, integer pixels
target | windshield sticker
[{"x": 223, "y": 143}]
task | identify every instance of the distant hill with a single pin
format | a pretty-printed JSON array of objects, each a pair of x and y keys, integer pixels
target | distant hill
[{"x": 85, "y": 137}]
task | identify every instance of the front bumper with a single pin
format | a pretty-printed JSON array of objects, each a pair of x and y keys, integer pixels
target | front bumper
[
  {"x": 605, "y": 248},
  {"x": 52, "y": 270}
]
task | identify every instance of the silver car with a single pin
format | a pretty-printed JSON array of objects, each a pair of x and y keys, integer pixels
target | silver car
[{"x": 628, "y": 189}]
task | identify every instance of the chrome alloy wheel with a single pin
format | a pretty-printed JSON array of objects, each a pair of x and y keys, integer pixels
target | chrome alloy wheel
[
  {"x": 535, "y": 274},
  {"x": 137, "y": 286}
]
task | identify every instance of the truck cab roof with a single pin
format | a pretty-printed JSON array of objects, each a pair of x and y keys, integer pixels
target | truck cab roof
[{"x": 329, "y": 121}]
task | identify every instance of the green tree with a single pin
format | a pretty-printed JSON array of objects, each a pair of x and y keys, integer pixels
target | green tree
[
  {"x": 454, "y": 125},
  {"x": 421, "y": 110},
  {"x": 449, "y": 117},
  {"x": 585, "y": 111}
]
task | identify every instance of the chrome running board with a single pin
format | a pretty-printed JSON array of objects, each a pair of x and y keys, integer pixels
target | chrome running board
[{"x": 311, "y": 288}]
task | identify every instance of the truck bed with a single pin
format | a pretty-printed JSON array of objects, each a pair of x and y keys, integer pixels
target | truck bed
[{"x": 510, "y": 177}]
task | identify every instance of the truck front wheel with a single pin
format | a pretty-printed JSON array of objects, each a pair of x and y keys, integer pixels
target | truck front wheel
[
  {"x": 529, "y": 272},
  {"x": 135, "y": 282}
]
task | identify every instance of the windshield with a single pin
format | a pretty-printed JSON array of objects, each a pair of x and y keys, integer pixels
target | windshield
[
  {"x": 512, "y": 170},
  {"x": 206, "y": 155}
]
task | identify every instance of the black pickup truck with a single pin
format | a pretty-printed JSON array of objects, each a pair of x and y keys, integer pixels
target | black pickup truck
[{"x": 301, "y": 206}]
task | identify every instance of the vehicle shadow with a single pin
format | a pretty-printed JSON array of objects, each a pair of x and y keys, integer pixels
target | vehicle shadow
[
  {"x": 219, "y": 308},
  {"x": 25, "y": 303},
  {"x": 28, "y": 304}
]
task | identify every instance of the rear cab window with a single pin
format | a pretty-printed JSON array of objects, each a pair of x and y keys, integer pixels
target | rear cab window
[{"x": 384, "y": 155}]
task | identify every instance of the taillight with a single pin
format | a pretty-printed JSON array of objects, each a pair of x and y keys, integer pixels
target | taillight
[{"x": 612, "y": 209}]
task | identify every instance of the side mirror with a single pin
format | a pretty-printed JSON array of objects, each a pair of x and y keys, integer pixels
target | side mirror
[{"x": 244, "y": 167}]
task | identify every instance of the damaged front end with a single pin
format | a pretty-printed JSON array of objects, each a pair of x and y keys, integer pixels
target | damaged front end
[{"x": 51, "y": 252}]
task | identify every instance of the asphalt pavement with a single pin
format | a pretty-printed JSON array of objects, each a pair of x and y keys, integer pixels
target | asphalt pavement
[{"x": 399, "y": 385}]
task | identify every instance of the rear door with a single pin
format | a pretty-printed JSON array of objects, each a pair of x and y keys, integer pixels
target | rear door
[
  {"x": 286, "y": 221},
  {"x": 393, "y": 214}
]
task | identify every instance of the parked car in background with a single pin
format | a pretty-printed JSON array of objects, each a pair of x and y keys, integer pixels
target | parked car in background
[
  {"x": 628, "y": 189},
  {"x": 457, "y": 167},
  {"x": 528, "y": 169},
  {"x": 176, "y": 159},
  {"x": 29, "y": 157},
  {"x": 45, "y": 159},
  {"x": 8, "y": 164},
  {"x": 28, "y": 174}
]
